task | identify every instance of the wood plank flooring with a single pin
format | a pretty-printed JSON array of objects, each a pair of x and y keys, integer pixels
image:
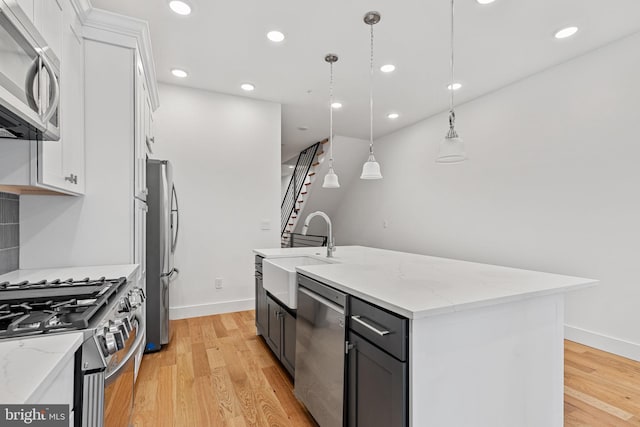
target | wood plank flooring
[{"x": 217, "y": 372}]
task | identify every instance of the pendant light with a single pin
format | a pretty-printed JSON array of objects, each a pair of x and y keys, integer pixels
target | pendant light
[
  {"x": 452, "y": 146},
  {"x": 371, "y": 168},
  {"x": 331, "y": 179}
]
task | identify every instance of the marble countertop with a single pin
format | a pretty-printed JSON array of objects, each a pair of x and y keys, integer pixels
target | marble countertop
[
  {"x": 93, "y": 272},
  {"x": 417, "y": 286},
  {"x": 29, "y": 365}
]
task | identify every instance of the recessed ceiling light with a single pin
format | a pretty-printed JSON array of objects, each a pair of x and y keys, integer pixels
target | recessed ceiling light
[
  {"x": 485, "y": 1},
  {"x": 566, "y": 32},
  {"x": 248, "y": 87},
  {"x": 336, "y": 105},
  {"x": 275, "y": 36},
  {"x": 393, "y": 116},
  {"x": 454, "y": 86},
  {"x": 180, "y": 7},
  {"x": 179, "y": 73},
  {"x": 388, "y": 68},
  {"x": 303, "y": 128},
  {"x": 291, "y": 166}
]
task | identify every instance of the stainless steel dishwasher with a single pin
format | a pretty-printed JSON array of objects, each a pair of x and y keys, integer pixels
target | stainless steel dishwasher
[{"x": 320, "y": 341}]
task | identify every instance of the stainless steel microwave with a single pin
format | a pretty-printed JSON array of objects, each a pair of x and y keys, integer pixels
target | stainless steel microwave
[{"x": 29, "y": 79}]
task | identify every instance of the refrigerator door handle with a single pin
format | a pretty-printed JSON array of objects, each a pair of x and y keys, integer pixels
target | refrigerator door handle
[
  {"x": 171, "y": 273},
  {"x": 176, "y": 210}
]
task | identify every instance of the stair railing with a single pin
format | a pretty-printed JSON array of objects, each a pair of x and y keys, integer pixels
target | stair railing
[{"x": 296, "y": 184}]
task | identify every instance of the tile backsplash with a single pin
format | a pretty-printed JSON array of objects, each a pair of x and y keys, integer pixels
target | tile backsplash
[{"x": 9, "y": 232}]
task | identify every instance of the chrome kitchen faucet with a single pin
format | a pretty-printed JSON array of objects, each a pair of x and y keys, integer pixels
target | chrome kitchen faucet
[{"x": 331, "y": 247}]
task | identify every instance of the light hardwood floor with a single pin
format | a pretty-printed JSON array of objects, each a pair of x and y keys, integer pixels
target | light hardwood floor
[{"x": 217, "y": 372}]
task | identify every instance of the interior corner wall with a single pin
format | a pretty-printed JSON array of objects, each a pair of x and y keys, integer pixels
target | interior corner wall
[
  {"x": 551, "y": 184},
  {"x": 225, "y": 152},
  {"x": 349, "y": 155}
]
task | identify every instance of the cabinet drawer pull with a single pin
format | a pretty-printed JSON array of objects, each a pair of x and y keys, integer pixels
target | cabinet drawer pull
[
  {"x": 368, "y": 326},
  {"x": 73, "y": 179}
]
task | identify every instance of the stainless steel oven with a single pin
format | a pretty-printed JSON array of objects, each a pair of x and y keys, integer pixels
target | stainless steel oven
[
  {"x": 29, "y": 79},
  {"x": 106, "y": 377},
  {"x": 120, "y": 379}
]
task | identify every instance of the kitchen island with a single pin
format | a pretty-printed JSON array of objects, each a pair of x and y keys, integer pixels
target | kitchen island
[{"x": 485, "y": 342}]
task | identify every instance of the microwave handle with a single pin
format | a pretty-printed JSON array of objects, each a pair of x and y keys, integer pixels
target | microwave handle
[
  {"x": 33, "y": 98},
  {"x": 53, "y": 105}
]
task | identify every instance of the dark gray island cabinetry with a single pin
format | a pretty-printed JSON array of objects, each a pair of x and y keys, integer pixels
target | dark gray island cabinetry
[
  {"x": 377, "y": 367},
  {"x": 276, "y": 323}
]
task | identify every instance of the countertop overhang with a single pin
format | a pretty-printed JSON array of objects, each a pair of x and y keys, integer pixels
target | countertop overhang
[{"x": 418, "y": 286}]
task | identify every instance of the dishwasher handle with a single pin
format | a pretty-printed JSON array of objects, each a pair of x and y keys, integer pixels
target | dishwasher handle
[{"x": 322, "y": 300}]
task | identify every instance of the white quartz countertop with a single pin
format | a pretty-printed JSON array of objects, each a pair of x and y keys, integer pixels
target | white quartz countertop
[
  {"x": 417, "y": 286},
  {"x": 77, "y": 273},
  {"x": 29, "y": 365}
]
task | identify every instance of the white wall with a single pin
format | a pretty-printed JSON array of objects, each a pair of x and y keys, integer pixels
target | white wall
[
  {"x": 226, "y": 156},
  {"x": 284, "y": 184},
  {"x": 552, "y": 184},
  {"x": 348, "y": 155}
]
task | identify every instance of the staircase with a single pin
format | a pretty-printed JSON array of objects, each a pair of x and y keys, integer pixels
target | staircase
[{"x": 297, "y": 192}]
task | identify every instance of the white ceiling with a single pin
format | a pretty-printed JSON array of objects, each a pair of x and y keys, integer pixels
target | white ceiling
[{"x": 222, "y": 44}]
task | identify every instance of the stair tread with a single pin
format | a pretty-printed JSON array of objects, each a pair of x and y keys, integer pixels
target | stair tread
[
  {"x": 312, "y": 173},
  {"x": 315, "y": 164}
]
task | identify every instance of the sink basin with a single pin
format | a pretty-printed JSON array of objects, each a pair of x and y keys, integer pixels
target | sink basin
[{"x": 279, "y": 277}]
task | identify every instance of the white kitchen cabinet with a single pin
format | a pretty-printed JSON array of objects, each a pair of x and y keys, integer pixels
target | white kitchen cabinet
[
  {"x": 48, "y": 17},
  {"x": 27, "y": 7},
  {"x": 57, "y": 166},
  {"x": 61, "y": 163},
  {"x": 141, "y": 137},
  {"x": 140, "y": 246}
]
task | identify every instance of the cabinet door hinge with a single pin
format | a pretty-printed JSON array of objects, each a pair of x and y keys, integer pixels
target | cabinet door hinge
[{"x": 348, "y": 346}]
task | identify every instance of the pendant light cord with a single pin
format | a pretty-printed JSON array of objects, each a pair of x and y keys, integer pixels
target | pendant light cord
[
  {"x": 331, "y": 115},
  {"x": 452, "y": 115},
  {"x": 371, "y": 95}
]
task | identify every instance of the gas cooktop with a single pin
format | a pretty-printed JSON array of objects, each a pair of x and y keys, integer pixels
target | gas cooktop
[{"x": 30, "y": 308}]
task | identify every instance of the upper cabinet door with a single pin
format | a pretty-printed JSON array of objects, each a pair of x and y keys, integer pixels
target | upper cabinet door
[
  {"x": 48, "y": 19},
  {"x": 142, "y": 125},
  {"x": 27, "y": 6},
  {"x": 61, "y": 163}
]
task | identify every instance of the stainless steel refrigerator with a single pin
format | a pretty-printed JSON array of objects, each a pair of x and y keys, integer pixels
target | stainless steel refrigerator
[{"x": 163, "y": 223}]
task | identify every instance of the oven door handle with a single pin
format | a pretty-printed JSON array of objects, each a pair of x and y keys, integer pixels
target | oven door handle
[{"x": 111, "y": 376}]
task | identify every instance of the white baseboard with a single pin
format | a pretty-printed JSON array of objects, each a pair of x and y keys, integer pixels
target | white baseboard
[
  {"x": 185, "y": 312},
  {"x": 603, "y": 342}
]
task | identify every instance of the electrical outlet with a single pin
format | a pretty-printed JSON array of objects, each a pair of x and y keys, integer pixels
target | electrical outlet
[
  {"x": 218, "y": 282},
  {"x": 385, "y": 224}
]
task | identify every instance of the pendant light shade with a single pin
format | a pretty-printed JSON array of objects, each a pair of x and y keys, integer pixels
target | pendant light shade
[
  {"x": 452, "y": 146},
  {"x": 371, "y": 168},
  {"x": 451, "y": 151},
  {"x": 331, "y": 179}
]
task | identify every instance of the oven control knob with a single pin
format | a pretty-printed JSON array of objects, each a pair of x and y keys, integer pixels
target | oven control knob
[
  {"x": 125, "y": 305},
  {"x": 136, "y": 297},
  {"x": 118, "y": 327},
  {"x": 110, "y": 342},
  {"x": 126, "y": 323},
  {"x": 119, "y": 338}
]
